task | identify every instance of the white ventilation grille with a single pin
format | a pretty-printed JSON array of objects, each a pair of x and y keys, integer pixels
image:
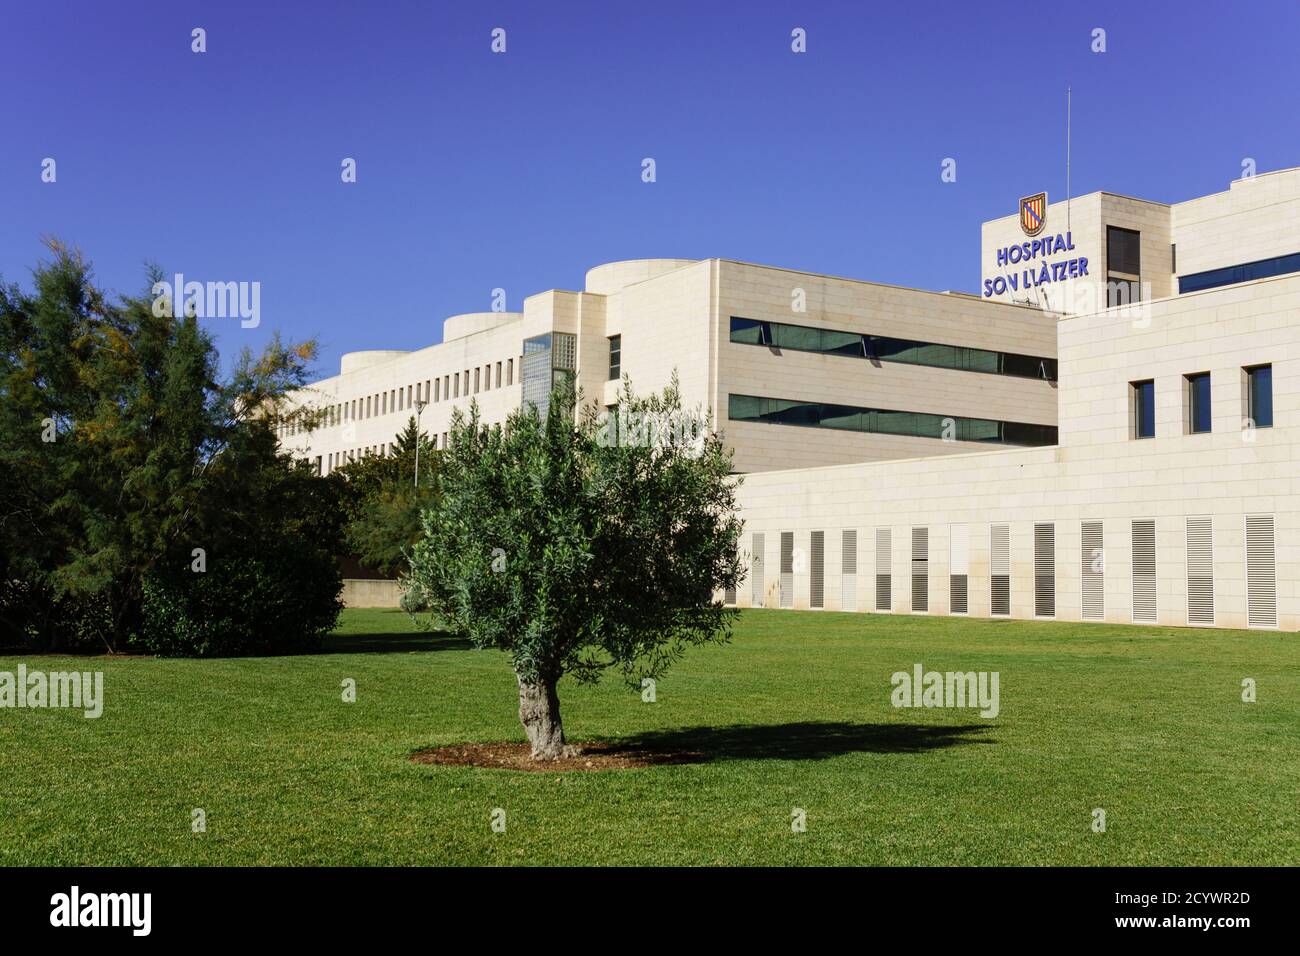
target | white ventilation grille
[
  {"x": 920, "y": 569},
  {"x": 1000, "y": 569},
  {"x": 729, "y": 594},
  {"x": 1261, "y": 572},
  {"x": 1200, "y": 570},
  {"x": 849, "y": 570},
  {"x": 959, "y": 569},
  {"x": 1092, "y": 576},
  {"x": 756, "y": 572},
  {"x": 817, "y": 570},
  {"x": 884, "y": 555},
  {"x": 1144, "y": 570},
  {"x": 1045, "y": 570},
  {"x": 787, "y": 569}
]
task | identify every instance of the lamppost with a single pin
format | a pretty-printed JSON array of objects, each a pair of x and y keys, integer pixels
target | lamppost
[{"x": 419, "y": 410}]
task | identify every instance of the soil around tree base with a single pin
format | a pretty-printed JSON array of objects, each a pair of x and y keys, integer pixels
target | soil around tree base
[{"x": 519, "y": 756}]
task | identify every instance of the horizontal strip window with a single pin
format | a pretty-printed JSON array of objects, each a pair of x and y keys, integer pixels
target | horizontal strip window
[
  {"x": 882, "y": 348},
  {"x": 781, "y": 411},
  {"x": 1246, "y": 272}
]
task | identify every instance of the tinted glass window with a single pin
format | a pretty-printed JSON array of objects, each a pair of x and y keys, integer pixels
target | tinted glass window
[
  {"x": 1198, "y": 402},
  {"x": 1261, "y": 395},
  {"x": 1123, "y": 250},
  {"x": 1144, "y": 409}
]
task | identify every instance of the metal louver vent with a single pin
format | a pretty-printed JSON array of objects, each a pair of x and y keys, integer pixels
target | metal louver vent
[
  {"x": 1000, "y": 569},
  {"x": 1092, "y": 572},
  {"x": 1200, "y": 570},
  {"x": 1045, "y": 570},
  {"x": 1144, "y": 570},
  {"x": 787, "y": 569},
  {"x": 849, "y": 570},
  {"x": 817, "y": 570},
  {"x": 756, "y": 572},
  {"x": 920, "y": 569},
  {"x": 1261, "y": 572},
  {"x": 884, "y": 555},
  {"x": 959, "y": 569}
]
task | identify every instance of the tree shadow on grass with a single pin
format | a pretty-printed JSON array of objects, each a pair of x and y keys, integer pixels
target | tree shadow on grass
[
  {"x": 810, "y": 740},
  {"x": 387, "y": 642}
]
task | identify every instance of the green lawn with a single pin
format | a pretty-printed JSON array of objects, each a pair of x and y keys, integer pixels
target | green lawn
[{"x": 1146, "y": 723}]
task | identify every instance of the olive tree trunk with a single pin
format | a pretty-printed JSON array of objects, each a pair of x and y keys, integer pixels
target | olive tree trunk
[{"x": 539, "y": 712}]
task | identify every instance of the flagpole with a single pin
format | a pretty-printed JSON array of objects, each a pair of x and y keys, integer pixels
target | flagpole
[{"x": 1068, "y": 92}]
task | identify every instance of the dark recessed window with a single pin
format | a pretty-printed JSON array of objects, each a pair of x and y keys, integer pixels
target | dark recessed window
[
  {"x": 883, "y": 348},
  {"x": 1246, "y": 272},
  {"x": 885, "y": 421},
  {"x": 1123, "y": 266},
  {"x": 1144, "y": 409},
  {"x": 1198, "y": 403},
  {"x": 1259, "y": 395},
  {"x": 615, "y": 356}
]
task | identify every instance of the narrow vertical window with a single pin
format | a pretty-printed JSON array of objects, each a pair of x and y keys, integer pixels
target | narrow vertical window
[
  {"x": 615, "y": 356},
  {"x": 1142, "y": 399},
  {"x": 1123, "y": 266},
  {"x": 1196, "y": 414},
  {"x": 510, "y": 371},
  {"x": 1259, "y": 396}
]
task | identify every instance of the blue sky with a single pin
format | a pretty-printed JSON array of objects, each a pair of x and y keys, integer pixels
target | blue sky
[{"x": 521, "y": 170}]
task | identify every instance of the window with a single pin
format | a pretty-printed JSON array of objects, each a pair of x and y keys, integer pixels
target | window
[
  {"x": 476, "y": 376},
  {"x": 1142, "y": 398},
  {"x": 1246, "y": 272},
  {"x": 1259, "y": 396},
  {"x": 510, "y": 371},
  {"x": 455, "y": 381},
  {"x": 882, "y": 348},
  {"x": 1123, "y": 266},
  {"x": 615, "y": 357},
  {"x": 1197, "y": 407},
  {"x": 780, "y": 411},
  {"x": 756, "y": 571},
  {"x": 498, "y": 385}
]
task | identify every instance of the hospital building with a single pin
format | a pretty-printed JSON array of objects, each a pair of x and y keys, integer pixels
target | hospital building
[{"x": 1108, "y": 429}]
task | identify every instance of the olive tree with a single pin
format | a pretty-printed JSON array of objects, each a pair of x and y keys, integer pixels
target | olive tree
[{"x": 582, "y": 541}]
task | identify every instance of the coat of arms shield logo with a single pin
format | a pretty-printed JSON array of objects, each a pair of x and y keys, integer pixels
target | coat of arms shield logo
[{"x": 1033, "y": 213}]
